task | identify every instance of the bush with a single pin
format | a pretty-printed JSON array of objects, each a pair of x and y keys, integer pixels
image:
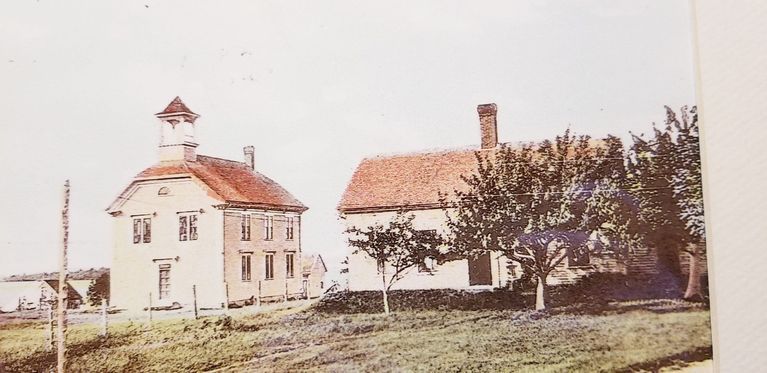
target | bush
[
  {"x": 421, "y": 300},
  {"x": 608, "y": 287},
  {"x": 595, "y": 289}
]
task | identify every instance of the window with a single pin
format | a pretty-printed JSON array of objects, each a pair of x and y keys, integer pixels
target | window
[
  {"x": 428, "y": 265},
  {"x": 187, "y": 227},
  {"x": 246, "y": 268},
  {"x": 269, "y": 266},
  {"x": 289, "y": 222},
  {"x": 289, "y": 264},
  {"x": 268, "y": 227},
  {"x": 245, "y": 227},
  {"x": 164, "y": 191},
  {"x": 164, "y": 284},
  {"x": 142, "y": 230},
  {"x": 578, "y": 257}
]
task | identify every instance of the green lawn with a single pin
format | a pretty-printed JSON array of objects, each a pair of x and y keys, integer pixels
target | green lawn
[{"x": 621, "y": 337}]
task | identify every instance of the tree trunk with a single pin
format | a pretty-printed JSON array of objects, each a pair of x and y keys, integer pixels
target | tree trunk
[
  {"x": 693, "y": 291},
  {"x": 541, "y": 294},
  {"x": 385, "y": 289},
  {"x": 386, "y": 301}
]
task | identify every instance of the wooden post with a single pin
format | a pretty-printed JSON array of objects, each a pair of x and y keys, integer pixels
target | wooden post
[
  {"x": 226, "y": 300},
  {"x": 49, "y": 329},
  {"x": 194, "y": 300},
  {"x": 149, "y": 309},
  {"x": 104, "y": 321},
  {"x": 61, "y": 351},
  {"x": 258, "y": 299}
]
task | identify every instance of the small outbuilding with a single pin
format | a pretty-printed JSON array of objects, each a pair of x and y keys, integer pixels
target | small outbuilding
[{"x": 313, "y": 270}]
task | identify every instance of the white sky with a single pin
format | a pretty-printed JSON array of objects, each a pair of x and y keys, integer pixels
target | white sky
[{"x": 314, "y": 86}]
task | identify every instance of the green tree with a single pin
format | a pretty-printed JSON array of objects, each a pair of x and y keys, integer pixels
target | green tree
[
  {"x": 396, "y": 247},
  {"x": 666, "y": 172},
  {"x": 541, "y": 204},
  {"x": 99, "y": 290}
]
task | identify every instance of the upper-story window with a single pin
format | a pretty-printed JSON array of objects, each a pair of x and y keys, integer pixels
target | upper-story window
[
  {"x": 187, "y": 227},
  {"x": 142, "y": 230},
  {"x": 268, "y": 227},
  {"x": 164, "y": 191},
  {"x": 289, "y": 224},
  {"x": 245, "y": 232}
]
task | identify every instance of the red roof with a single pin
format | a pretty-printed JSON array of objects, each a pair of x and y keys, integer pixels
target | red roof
[
  {"x": 414, "y": 180},
  {"x": 176, "y": 106},
  {"x": 232, "y": 182}
]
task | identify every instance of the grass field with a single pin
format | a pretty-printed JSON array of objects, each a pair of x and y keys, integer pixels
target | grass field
[{"x": 622, "y": 336}]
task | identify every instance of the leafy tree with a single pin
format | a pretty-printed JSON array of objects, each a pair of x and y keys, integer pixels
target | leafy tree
[
  {"x": 99, "y": 290},
  {"x": 542, "y": 204},
  {"x": 666, "y": 171},
  {"x": 397, "y": 247}
]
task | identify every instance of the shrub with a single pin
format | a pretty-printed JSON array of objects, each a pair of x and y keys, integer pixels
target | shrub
[{"x": 421, "y": 300}]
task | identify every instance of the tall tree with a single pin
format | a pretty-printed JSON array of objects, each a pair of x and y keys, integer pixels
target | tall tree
[
  {"x": 542, "y": 204},
  {"x": 397, "y": 247},
  {"x": 666, "y": 172},
  {"x": 98, "y": 291}
]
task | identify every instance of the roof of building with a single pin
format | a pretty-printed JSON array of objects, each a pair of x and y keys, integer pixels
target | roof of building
[
  {"x": 414, "y": 180},
  {"x": 176, "y": 106},
  {"x": 309, "y": 262},
  {"x": 230, "y": 181},
  {"x": 72, "y": 294},
  {"x": 80, "y": 286}
]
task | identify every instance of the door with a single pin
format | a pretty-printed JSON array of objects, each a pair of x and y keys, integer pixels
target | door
[
  {"x": 479, "y": 270},
  {"x": 164, "y": 284}
]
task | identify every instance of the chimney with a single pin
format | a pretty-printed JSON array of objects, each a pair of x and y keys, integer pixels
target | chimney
[
  {"x": 249, "y": 150},
  {"x": 488, "y": 125}
]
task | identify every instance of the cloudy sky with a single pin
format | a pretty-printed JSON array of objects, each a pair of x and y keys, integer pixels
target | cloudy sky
[{"x": 314, "y": 86}]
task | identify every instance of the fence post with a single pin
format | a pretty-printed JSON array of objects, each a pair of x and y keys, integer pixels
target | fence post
[
  {"x": 258, "y": 299},
  {"x": 194, "y": 300},
  {"x": 149, "y": 309},
  {"x": 49, "y": 329},
  {"x": 104, "y": 318},
  {"x": 226, "y": 299}
]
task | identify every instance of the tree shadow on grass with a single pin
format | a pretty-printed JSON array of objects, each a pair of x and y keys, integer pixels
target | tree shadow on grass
[
  {"x": 42, "y": 361},
  {"x": 679, "y": 360}
]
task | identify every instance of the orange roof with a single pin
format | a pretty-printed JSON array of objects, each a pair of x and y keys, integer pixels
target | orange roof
[
  {"x": 414, "y": 180},
  {"x": 233, "y": 182},
  {"x": 176, "y": 106}
]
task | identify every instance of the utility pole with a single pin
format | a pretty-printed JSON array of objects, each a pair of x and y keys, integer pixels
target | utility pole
[{"x": 61, "y": 348}]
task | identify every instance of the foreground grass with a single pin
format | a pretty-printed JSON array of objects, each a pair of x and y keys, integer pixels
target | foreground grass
[{"x": 620, "y": 337}]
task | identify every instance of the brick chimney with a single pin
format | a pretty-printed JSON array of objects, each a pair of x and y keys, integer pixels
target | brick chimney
[
  {"x": 248, "y": 151},
  {"x": 488, "y": 125}
]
